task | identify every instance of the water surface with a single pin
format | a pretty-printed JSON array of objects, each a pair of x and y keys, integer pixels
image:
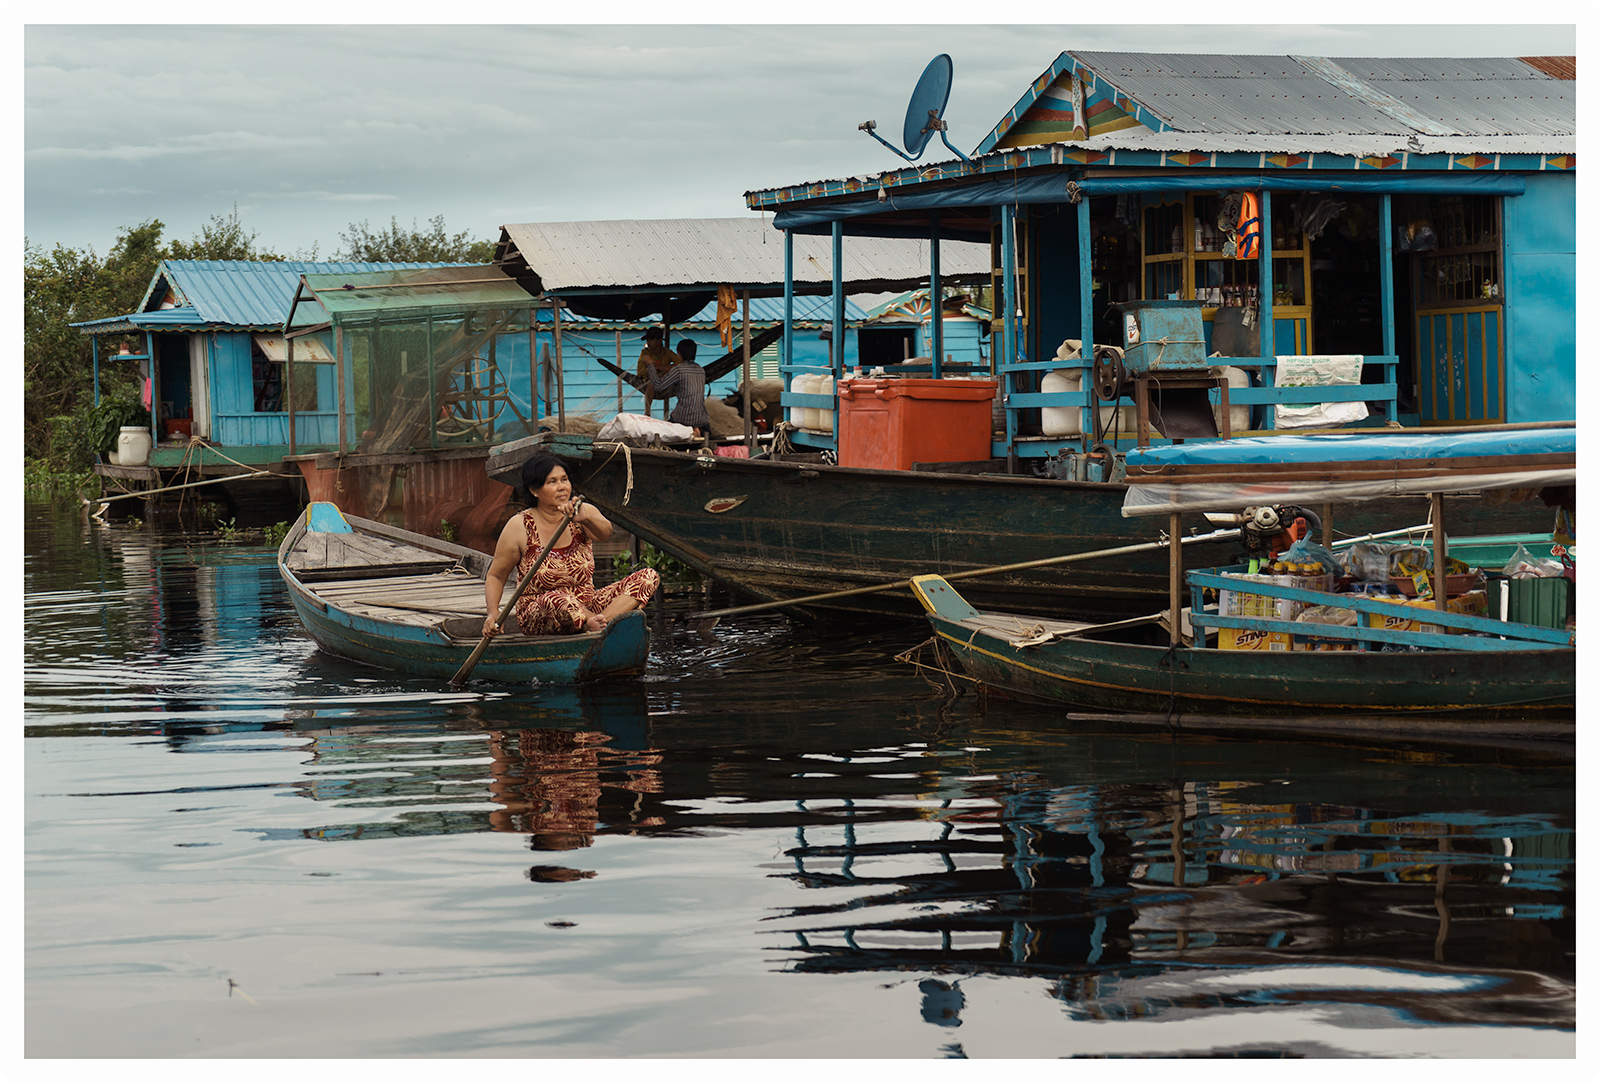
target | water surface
[{"x": 778, "y": 844}]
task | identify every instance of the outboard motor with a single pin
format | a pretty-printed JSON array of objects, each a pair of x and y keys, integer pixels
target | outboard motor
[{"x": 1269, "y": 529}]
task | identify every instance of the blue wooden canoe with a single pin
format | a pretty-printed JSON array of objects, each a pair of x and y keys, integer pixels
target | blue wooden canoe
[{"x": 406, "y": 602}]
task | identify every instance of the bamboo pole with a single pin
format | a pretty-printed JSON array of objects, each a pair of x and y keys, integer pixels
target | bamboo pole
[{"x": 619, "y": 375}]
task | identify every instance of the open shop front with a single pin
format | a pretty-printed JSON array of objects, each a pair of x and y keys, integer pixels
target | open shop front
[{"x": 1392, "y": 288}]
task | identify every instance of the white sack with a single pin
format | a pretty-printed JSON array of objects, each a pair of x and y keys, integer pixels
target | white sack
[{"x": 1319, "y": 370}]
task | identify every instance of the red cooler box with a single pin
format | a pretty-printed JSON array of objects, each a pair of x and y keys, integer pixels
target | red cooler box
[{"x": 891, "y": 424}]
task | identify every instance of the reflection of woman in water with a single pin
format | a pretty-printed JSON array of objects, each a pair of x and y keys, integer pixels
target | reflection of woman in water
[
  {"x": 562, "y": 598},
  {"x": 560, "y": 787}
]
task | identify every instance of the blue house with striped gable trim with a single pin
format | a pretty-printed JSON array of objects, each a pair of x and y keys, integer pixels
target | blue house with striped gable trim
[
  {"x": 1421, "y": 214},
  {"x": 212, "y": 337}
]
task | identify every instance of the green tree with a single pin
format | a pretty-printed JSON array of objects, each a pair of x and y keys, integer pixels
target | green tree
[
  {"x": 397, "y": 245},
  {"x": 63, "y": 286},
  {"x": 222, "y": 238}
]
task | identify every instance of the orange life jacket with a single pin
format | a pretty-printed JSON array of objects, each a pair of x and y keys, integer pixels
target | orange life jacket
[{"x": 1249, "y": 232}]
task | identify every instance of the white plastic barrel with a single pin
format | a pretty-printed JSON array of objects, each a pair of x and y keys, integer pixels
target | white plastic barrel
[
  {"x": 1239, "y": 416},
  {"x": 133, "y": 446},
  {"x": 1067, "y": 420},
  {"x": 824, "y": 386}
]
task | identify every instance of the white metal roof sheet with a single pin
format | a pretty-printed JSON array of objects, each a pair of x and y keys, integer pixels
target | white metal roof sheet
[{"x": 708, "y": 252}]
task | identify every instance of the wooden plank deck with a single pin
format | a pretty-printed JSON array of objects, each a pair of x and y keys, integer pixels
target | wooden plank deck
[{"x": 322, "y": 553}]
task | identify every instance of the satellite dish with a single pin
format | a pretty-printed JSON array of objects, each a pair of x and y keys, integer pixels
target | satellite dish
[
  {"x": 928, "y": 100},
  {"x": 925, "y": 113}
]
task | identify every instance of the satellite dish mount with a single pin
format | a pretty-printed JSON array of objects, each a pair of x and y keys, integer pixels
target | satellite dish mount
[{"x": 925, "y": 113}]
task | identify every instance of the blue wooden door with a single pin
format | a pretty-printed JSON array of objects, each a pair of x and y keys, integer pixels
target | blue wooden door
[{"x": 1460, "y": 366}]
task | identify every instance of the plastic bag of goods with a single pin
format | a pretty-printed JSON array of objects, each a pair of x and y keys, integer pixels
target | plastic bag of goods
[
  {"x": 1524, "y": 565},
  {"x": 1306, "y": 551}
]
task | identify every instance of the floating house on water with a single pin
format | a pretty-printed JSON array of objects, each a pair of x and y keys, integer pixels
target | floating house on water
[
  {"x": 208, "y": 339},
  {"x": 1416, "y": 218},
  {"x": 382, "y": 386}
]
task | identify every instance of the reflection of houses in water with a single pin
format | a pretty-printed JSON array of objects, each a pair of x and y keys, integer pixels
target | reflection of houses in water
[{"x": 1122, "y": 909}]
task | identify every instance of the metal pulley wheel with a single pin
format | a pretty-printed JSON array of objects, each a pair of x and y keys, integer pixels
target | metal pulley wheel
[{"x": 1109, "y": 377}]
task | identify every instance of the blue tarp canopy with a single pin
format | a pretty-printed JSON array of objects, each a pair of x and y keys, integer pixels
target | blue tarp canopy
[{"x": 1233, "y": 474}]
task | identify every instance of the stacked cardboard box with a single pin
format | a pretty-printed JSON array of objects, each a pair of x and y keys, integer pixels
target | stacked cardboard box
[
  {"x": 1409, "y": 610},
  {"x": 1232, "y": 603}
]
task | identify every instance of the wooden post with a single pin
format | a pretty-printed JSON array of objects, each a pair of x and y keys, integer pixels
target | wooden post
[
  {"x": 561, "y": 376},
  {"x": 619, "y": 378},
  {"x": 1175, "y": 575},
  {"x": 1440, "y": 551},
  {"x": 533, "y": 365},
  {"x": 749, "y": 428},
  {"x": 338, "y": 372},
  {"x": 288, "y": 384},
  {"x": 1327, "y": 526},
  {"x": 155, "y": 389},
  {"x": 549, "y": 378},
  {"x": 433, "y": 398}
]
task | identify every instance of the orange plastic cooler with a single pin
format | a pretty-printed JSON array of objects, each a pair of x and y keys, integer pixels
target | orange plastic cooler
[{"x": 891, "y": 424}]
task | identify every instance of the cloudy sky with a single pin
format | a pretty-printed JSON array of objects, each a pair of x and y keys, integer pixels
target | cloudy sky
[{"x": 310, "y": 128}]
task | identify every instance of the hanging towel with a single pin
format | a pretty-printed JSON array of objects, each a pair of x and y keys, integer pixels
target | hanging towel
[{"x": 726, "y": 304}]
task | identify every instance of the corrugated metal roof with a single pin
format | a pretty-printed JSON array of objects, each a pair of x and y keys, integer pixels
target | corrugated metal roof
[
  {"x": 164, "y": 319},
  {"x": 410, "y": 291},
  {"x": 707, "y": 252},
  {"x": 243, "y": 293},
  {"x": 1133, "y": 139},
  {"x": 808, "y": 309},
  {"x": 1556, "y": 67},
  {"x": 1285, "y": 95}
]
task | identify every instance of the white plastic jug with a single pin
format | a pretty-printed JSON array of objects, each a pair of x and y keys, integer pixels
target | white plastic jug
[
  {"x": 1067, "y": 420},
  {"x": 133, "y": 446},
  {"x": 824, "y": 386}
]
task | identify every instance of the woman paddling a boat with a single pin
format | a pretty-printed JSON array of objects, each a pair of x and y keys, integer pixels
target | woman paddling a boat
[{"x": 562, "y": 598}]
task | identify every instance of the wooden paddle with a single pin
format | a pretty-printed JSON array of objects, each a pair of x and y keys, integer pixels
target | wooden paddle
[{"x": 505, "y": 610}]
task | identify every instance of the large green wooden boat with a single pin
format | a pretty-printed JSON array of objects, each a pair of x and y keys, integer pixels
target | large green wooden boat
[{"x": 775, "y": 528}]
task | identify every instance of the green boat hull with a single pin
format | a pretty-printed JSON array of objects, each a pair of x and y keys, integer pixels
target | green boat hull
[{"x": 779, "y": 529}]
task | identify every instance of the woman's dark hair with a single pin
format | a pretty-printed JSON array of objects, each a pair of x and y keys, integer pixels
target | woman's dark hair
[
  {"x": 536, "y": 471},
  {"x": 688, "y": 348}
]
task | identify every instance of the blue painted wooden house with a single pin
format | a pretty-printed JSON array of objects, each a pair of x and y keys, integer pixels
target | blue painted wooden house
[
  {"x": 214, "y": 332},
  {"x": 1416, "y": 214}
]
